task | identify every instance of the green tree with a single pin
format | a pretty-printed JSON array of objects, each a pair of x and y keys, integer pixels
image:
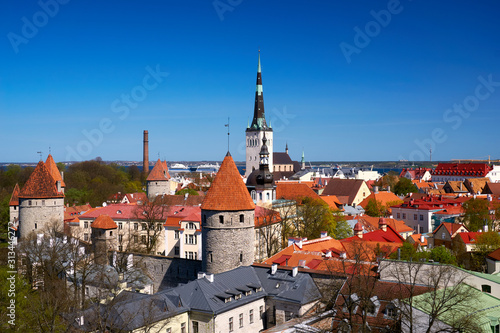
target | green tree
[
  {"x": 185, "y": 190},
  {"x": 315, "y": 216},
  {"x": 375, "y": 208},
  {"x": 442, "y": 255},
  {"x": 342, "y": 229},
  {"x": 404, "y": 186},
  {"x": 476, "y": 214}
]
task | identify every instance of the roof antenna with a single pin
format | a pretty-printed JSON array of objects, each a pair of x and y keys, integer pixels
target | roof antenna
[
  {"x": 227, "y": 125},
  {"x": 39, "y": 152}
]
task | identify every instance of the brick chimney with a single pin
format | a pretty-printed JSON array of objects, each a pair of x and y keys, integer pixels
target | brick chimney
[{"x": 145, "y": 157}]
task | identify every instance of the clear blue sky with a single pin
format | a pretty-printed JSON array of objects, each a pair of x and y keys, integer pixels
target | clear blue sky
[{"x": 391, "y": 92}]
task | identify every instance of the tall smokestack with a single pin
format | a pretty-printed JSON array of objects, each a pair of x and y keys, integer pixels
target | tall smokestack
[{"x": 145, "y": 159}]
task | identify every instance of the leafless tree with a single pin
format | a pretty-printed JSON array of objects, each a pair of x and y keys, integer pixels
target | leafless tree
[
  {"x": 447, "y": 297},
  {"x": 269, "y": 234},
  {"x": 151, "y": 215}
]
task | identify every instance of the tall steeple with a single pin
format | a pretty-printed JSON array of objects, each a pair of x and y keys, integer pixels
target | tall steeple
[
  {"x": 259, "y": 116},
  {"x": 255, "y": 131}
]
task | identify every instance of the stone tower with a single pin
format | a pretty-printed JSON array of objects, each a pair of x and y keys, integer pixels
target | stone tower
[
  {"x": 228, "y": 226},
  {"x": 104, "y": 234},
  {"x": 260, "y": 183},
  {"x": 41, "y": 201},
  {"x": 158, "y": 181},
  {"x": 255, "y": 131}
]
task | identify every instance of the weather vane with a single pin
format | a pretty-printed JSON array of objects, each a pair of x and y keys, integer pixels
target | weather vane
[
  {"x": 227, "y": 125},
  {"x": 39, "y": 152}
]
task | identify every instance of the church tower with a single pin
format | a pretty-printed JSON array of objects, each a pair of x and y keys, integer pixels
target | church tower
[
  {"x": 255, "y": 131},
  {"x": 228, "y": 226},
  {"x": 260, "y": 183}
]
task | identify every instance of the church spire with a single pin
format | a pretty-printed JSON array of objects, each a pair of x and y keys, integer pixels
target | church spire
[{"x": 259, "y": 117}]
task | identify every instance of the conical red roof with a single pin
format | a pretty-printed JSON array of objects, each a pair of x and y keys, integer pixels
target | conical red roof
[
  {"x": 228, "y": 192},
  {"x": 159, "y": 172},
  {"x": 104, "y": 222},
  {"x": 40, "y": 184},
  {"x": 54, "y": 171},
  {"x": 14, "y": 199}
]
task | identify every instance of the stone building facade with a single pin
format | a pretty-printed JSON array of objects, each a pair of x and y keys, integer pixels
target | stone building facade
[
  {"x": 41, "y": 202},
  {"x": 228, "y": 225}
]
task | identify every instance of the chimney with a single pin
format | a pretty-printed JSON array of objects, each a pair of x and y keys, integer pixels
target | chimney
[
  {"x": 210, "y": 277},
  {"x": 58, "y": 184},
  {"x": 382, "y": 224},
  {"x": 389, "y": 188},
  {"x": 485, "y": 228},
  {"x": 358, "y": 230},
  {"x": 295, "y": 271},
  {"x": 375, "y": 189},
  {"x": 422, "y": 239},
  {"x": 274, "y": 268},
  {"x": 145, "y": 157}
]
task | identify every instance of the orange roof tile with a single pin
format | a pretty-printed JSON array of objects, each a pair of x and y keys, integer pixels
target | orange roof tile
[
  {"x": 452, "y": 228},
  {"x": 228, "y": 192},
  {"x": 104, "y": 222},
  {"x": 495, "y": 255},
  {"x": 40, "y": 184},
  {"x": 264, "y": 215},
  {"x": 372, "y": 223},
  {"x": 332, "y": 201},
  {"x": 383, "y": 197},
  {"x": 54, "y": 171},
  {"x": 416, "y": 239},
  {"x": 294, "y": 191},
  {"x": 159, "y": 172},
  {"x": 14, "y": 199}
]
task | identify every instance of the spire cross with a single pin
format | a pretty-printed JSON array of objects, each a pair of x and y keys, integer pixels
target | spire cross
[{"x": 227, "y": 125}]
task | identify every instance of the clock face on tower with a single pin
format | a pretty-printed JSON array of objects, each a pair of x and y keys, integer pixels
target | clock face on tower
[{"x": 264, "y": 160}]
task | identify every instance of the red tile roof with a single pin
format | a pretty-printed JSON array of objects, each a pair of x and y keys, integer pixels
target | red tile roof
[
  {"x": 383, "y": 197},
  {"x": 178, "y": 214},
  {"x": 54, "y": 171},
  {"x": 14, "y": 199},
  {"x": 416, "y": 239},
  {"x": 372, "y": 223},
  {"x": 40, "y": 184},
  {"x": 452, "y": 228},
  {"x": 228, "y": 192},
  {"x": 344, "y": 187},
  {"x": 115, "y": 211},
  {"x": 469, "y": 237},
  {"x": 294, "y": 191},
  {"x": 159, "y": 172},
  {"x": 495, "y": 255},
  {"x": 104, "y": 222},
  {"x": 262, "y": 214},
  {"x": 462, "y": 169}
]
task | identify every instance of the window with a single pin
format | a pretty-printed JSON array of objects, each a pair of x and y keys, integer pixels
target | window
[
  {"x": 35, "y": 225},
  {"x": 120, "y": 248},
  {"x": 250, "y": 316},
  {"x": 136, "y": 226},
  {"x": 176, "y": 250},
  {"x": 169, "y": 330},
  {"x": 158, "y": 226},
  {"x": 144, "y": 226},
  {"x": 183, "y": 328},
  {"x": 404, "y": 215},
  {"x": 221, "y": 219},
  {"x": 195, "y": 327},
  {"x": 111, "y": 232},
  {"x": 241, "y": 320},
  {"x": 120, "y": 226},
  {"x": 143, "y": 239},
  {"x": 191, "y": 226},
  {"x": 415, "y": 217},
  {"x": 85, "y": 237},
  {"x": 421, "y": 230},
  {"x": 241, "y": 257},
  {"x": 486, "y": 288},
  {"x": 29, "y": 202},
  {"x": 242, "y": 218},
  {"x": 85, "y": 225},
  {"x": 230, "y": 324},
  {"x": 43, "y": 202},
  {"x": 190, "y": 239},
  {"x": 443, "y": 235},
  {"x": 120, "y": 238},
  {"x": 398, "y": 215},
  {"x": 421, "y": 217},
  {"x": 177, "y": 233}
]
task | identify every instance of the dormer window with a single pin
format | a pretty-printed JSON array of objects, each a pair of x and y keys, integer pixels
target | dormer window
[{"x": 118, "y": 212}]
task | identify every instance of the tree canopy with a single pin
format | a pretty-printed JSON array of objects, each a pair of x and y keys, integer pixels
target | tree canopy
[{"x": 404, "y": 186}]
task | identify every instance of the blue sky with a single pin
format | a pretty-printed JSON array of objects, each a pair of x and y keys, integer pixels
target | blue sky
[{"x": 343, "y": 80}]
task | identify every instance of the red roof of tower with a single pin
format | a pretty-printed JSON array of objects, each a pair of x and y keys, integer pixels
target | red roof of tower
[
  {"x": 104, "y": 222},
  {"x": 54, "y": 171},
  {"x": 14, "y": 199},
  {"x": 40, "y": 184},
  {"x": 159, "y": 172},
  {"x": 228, "y": 192}
]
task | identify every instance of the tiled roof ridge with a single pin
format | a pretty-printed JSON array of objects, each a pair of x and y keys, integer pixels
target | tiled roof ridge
[
  {"x": 159, "y": 172},
  {"x": 54, "y": 170},
  {"x": 14, "y": 199},
  {"x": 228, "y": 191},
  {"x": 40, "y": 184}
]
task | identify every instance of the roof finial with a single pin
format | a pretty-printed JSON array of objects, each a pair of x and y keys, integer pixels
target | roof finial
[
  {"x": 39, "y": 152},
  {"x": 227, "y": 125}
]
